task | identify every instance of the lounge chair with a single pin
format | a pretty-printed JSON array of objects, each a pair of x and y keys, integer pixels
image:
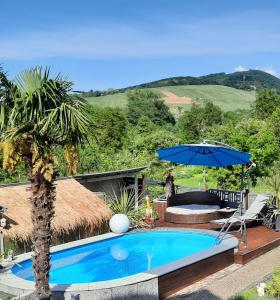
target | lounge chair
[{"x": 253, "y": 213}]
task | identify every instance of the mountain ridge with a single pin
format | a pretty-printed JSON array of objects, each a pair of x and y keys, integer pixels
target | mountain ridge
[
  {"x": 247, "y": 80},
  {"x": 244, "y": 80}
]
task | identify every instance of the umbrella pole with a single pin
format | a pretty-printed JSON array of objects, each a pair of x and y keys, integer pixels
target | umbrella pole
[
  {"x": 204, "y": 179},
  {"x": 247, "y": 191},
  {"x": 248, "y": 182},
  {"x": 242, "y": 186},
  {"x": 242, "y": 179}
]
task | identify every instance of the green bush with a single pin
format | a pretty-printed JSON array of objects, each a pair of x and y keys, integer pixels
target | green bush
[
  {"x": 274, "y": 287},
  {"x": 249, "y": 295},
  {"x": 125, "y": 204}
]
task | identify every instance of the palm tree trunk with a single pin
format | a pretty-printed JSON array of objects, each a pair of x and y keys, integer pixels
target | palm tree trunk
[{"x": 42, "y": 198}]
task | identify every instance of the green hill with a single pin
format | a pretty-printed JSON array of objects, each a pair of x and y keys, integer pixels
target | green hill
[
  {"x": 247, "y": 80},
  {"x": 227, "y": 98}
]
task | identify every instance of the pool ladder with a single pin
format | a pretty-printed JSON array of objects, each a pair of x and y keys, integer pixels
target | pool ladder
[{"x": 226, "y": 227}]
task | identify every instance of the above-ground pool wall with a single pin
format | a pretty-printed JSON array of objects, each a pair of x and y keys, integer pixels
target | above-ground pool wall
[
  {"x": 146, "y": 290},
  {"x": 178, "y": 279}
]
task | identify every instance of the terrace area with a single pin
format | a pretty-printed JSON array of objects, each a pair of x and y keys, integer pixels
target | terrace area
[
  {"x": 260, "y": 238},
  {"x": 260, "y": 241}
]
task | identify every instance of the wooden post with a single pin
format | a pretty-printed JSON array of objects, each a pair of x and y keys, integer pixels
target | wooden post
[
  {"x": 143, "y": 186},
  {"x": 136, "y": 190}
]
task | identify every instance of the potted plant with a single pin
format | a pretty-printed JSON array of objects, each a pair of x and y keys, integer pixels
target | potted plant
[{"x": 273, "y": 181}]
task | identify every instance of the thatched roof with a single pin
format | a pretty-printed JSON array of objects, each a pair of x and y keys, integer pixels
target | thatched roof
[{"x": 75, "y": 206}]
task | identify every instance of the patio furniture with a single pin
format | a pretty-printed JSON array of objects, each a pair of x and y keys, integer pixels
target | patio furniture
[
  {"x": 270, "y": 216},
  {"x": 252, "y": 214}
]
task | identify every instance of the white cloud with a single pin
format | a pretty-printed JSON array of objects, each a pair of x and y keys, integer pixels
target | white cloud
[
  {"x": 240, "y": 68},
  {"x": 270, "y": 70}
]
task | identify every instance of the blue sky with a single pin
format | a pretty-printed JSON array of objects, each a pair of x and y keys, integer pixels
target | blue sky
[{"x": 101, "y": 44}]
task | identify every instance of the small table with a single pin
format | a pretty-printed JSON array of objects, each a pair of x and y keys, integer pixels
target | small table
[{"x": 227, "y": 212}]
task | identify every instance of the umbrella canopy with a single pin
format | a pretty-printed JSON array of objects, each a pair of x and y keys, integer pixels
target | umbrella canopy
[{"x": 204, "y": 155}]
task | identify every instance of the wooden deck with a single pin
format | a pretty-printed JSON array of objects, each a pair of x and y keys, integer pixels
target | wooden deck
[{"x": 259, "y": 239}]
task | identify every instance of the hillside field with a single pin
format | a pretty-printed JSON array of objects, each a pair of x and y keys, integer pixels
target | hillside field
[{"x": 227, "y": 98}]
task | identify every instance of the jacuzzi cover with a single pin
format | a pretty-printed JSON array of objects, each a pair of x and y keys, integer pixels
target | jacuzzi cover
[{"x": 192, "y": 209}]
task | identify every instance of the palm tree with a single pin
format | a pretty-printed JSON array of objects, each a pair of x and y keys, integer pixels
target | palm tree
[{"x": 37, "y": 115}]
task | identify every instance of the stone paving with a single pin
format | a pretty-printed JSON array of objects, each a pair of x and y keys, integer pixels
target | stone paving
[{"x": 232, "y": 280}]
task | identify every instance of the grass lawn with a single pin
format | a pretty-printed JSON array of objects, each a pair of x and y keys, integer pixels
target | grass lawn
[
  {"x": 193, "y": 177},
  {"x": 115, "y": 100},
  {"x": 227, "y": 98},
  {"x": 196, "y": 181}
]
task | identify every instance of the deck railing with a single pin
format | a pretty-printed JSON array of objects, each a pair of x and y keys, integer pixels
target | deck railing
[{"x": 230, "y": 196}]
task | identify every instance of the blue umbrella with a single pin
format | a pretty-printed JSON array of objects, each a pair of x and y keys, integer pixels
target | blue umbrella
[{"x": 204, "y": 155}]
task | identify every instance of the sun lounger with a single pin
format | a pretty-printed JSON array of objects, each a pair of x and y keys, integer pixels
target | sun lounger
[{"x": 253, "y": 213}]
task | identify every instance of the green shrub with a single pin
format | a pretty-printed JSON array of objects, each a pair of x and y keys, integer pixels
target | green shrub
[
  {"x": 125, "y": 204},
  {"x": 249, "y": 295},
  {"x": 274, "y": 287}
]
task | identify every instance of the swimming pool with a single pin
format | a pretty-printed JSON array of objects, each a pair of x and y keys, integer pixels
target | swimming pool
[
  {"x": 119, "y": 257},
  {"x": 146, "y": 265}
]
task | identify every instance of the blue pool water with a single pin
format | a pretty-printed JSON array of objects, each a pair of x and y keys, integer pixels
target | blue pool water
[{"x": 119, "y": 257}]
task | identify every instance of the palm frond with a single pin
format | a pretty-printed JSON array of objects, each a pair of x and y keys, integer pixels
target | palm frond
[
  {"x": 42, "y": 109},
  {"x": 69, "y": 123},
  {"x": 6, "y": 99}
]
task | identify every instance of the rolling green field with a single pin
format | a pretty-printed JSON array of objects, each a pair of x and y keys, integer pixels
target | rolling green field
[{"x": 227, "y": 98}]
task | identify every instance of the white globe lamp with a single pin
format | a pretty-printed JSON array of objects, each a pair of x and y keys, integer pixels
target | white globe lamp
[{"x": 119, "y": 223}]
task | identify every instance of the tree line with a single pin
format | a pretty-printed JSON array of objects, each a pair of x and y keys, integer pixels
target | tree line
[{"x": 124, "y": 138}]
